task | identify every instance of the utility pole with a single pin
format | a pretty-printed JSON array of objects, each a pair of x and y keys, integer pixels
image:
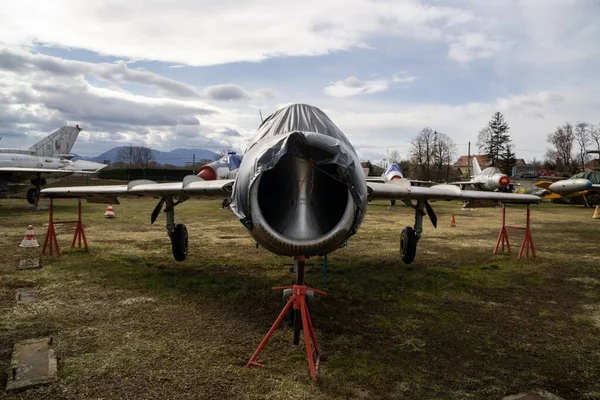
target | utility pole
[
  {"x": 469, "y": 162},
  {"x": 194, "y": 163}
]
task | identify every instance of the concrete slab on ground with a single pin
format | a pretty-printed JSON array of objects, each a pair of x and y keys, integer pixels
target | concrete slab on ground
[
  {"x": 26, "y": 296},
  {"x": 537, "y": 395},
  {"x": 33, "y": 363},
  {"x": 29, "y": 263}
]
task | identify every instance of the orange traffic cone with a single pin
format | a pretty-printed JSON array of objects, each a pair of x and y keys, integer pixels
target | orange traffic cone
[
  {"x": 596, "y": 213},
  {"x": 110, "y": 212},
  {"x": 453, "y": 222},
  {"x": 29, "y": 240}
]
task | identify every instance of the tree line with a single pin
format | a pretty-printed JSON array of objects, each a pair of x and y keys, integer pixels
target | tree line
[
  {"x": 432, "y": 153},
  {"x": 569, "y": 144}
]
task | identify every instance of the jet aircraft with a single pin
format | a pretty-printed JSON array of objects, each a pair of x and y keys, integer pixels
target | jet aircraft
[
  {"x": 490, "y": 179},
  {"x": 225, "y": 167},
  {"x": 568, "y": 188},
  {"x": 394, "y": 171},
  {"x": 46, "y": 161},
  {"x": 299, "y": 190}
]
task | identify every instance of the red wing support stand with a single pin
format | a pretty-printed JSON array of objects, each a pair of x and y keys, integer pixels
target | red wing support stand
[
  {"x": 527, "y": 244},
  {"x": 298, "y": 301},
  {"x": 51, "y": 243}
]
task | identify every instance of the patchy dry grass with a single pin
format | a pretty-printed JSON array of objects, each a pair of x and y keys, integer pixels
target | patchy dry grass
[{"x": 129, "y": 322}]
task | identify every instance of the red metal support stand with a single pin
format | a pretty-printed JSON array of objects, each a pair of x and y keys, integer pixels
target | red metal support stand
[
  {"x": 51, "y": 239},
  {"x": 51, "y": 233},
  {"x": 298, "y": 301},
  {"x": 527, "y": 245},
  {"x": 79, "y": 232}
]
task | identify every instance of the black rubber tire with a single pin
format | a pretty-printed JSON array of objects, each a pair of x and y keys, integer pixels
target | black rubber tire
[
  {"x": 31, "y": 195},
  {"x": 392, "y": 202},
  {"x": 290, "y": 315},
  {"x": 179, "y": 242},
  {"x": 408, "y": 244}
]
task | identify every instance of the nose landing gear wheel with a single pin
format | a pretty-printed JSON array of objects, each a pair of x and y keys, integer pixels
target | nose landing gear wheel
[
  {"x": 408, "y": 244},
  {"x": 179, "y": 242}
]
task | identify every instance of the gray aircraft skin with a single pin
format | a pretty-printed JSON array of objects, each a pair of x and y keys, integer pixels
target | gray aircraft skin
[
  {"x": 490, "y": 179},
  {"x": 45, "y": 162},
  {"x": 300, "y": 190}
]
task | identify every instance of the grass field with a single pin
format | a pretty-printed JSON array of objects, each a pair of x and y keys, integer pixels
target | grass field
[{"x": 129, "y": 322}]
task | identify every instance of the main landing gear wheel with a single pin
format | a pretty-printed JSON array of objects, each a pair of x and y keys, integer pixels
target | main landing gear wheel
[
  {"x": 179, "y": 242},
  {"x": 289, "y": 317},
  {"x": 31, "y": 195},
  {"x": 408, "y": 244}
]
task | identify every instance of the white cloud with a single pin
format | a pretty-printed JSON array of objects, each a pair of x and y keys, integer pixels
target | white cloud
[
  {"x": 232, "y": 92},
  {"x": 38, "y": 64},
  {"x": 472, "y": 46},
  {"x": 208, "y": 33},
  {"x": 374, "y": 126},
  {"x": 40, "y": 93},
  {"x": 353, "y": 86}
]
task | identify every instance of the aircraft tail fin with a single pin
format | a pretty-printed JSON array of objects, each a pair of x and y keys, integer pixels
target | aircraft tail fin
[
  {"x": 476, "y": 167},
  {"x": 59, "y": 142},
  {"x": 394, "y": 167},
  {"x": 543, "y": 184}
]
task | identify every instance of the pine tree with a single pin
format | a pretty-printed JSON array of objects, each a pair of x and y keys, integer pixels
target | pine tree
[
  {"x": 494, "y": 139},
  {"x": 508, "y": 159}
]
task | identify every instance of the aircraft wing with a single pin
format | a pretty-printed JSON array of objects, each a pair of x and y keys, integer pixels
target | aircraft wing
[
  {"x": 192, "y": 186},
  {"x": 463, "y": 183},
  {"x": 36, "y": 170},
  {"x": 375, "y": 179},
  {"x": 402, "y": 190}
]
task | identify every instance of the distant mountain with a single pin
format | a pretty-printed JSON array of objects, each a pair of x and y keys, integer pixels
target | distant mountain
[{"x": 178, "y": 157}]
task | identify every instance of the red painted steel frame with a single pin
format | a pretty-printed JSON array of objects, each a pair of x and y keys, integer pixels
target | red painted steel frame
[
  {"x": 298, "y": 301},
  {"x": 527, "y": 245},
  {"x": 51, "y": 232}
]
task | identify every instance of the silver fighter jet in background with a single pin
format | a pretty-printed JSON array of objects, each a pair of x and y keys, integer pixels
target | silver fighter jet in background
[
  {"x": 490, "y": 179},
  {"x": 46, "y": 161}
]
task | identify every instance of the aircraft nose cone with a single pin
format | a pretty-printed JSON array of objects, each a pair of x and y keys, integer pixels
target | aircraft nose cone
[
  {"x": 207, "y": 173},
  {"x": 504, "y": 181}
]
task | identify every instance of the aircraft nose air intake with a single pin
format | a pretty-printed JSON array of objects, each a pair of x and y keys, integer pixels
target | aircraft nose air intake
[
  {"x": 301, "y": 208},
  {"x": 207, "y": 173}
]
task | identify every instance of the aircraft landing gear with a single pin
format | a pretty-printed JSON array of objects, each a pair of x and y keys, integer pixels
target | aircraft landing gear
[
  {"x": 408, "y": 244},
  {"x": 177, "y": 232},
  {"x": 409, "y": 237},
  {"x": 179, "y": 242},
  {"x": 32, "y": 195}
]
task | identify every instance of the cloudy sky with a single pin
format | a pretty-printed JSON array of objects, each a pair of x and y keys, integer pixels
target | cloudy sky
[{"x": 189, "y": 73}]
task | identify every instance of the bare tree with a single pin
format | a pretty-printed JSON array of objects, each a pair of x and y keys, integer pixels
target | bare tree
[
  {"x": 394, "y": 156},
  {"x": 444, "y": 151},
  {"x": 135, "y": 155},
  {"x": 561, "y": 155},
  {"x": 422, "y": 153},
  {"x": 595, "y": 135},
  {"x": 144, "y": 156},
  {"x": 432, "y": 153},
  {"x": 582, "y": 136},
  {"x": 126, "y": 155}
]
